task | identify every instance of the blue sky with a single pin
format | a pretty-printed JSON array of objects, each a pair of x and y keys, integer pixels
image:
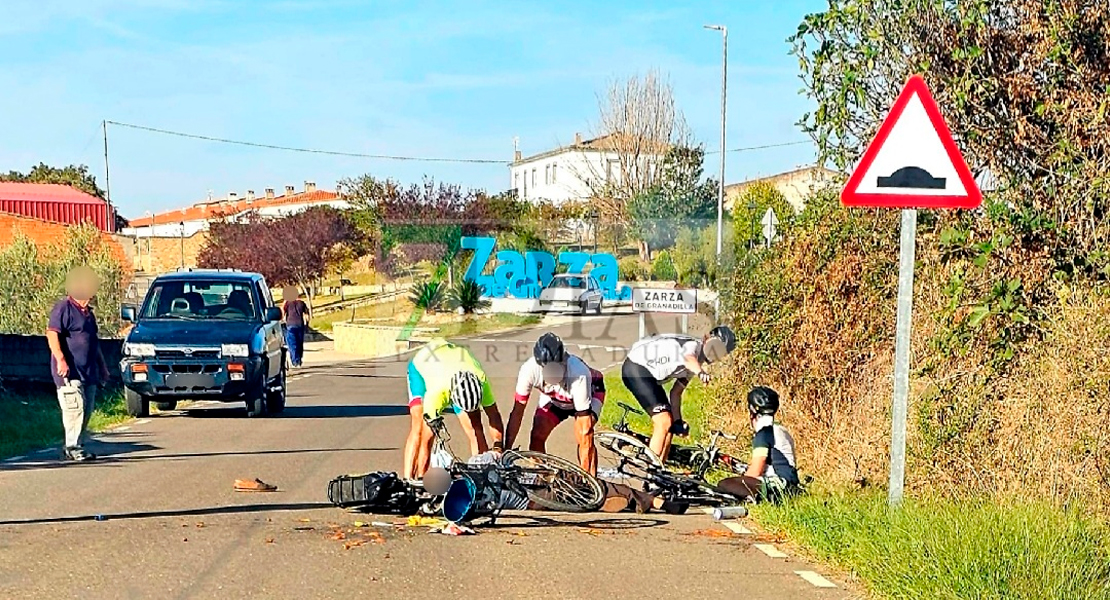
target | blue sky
[{"x": 445, "y": 79}]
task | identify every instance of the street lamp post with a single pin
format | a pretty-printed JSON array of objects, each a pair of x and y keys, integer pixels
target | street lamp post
[
  {"x": 724, "y": 104},
  {"x": 182, "y": 244}
]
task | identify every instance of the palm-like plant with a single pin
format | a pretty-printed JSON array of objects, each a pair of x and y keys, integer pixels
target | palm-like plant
[
  {"x": 467, "y": 296},
  {"x": 427, "y": 296}
]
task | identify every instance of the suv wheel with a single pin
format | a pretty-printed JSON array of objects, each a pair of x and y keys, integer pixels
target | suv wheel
[
  {"x": 275, "y": 398},
  {"x": 256, "y": 399},
  {"x": 137, "y": 404}
]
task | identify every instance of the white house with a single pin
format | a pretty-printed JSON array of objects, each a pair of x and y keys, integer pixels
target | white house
[
  {"x": 795, "y": 186},
  {"x": 570, "y": 172}
]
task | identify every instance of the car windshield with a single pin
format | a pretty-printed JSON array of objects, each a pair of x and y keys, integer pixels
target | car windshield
[
  {"x": 568, "y": 282},
  {"x": 200, "y": 300}
]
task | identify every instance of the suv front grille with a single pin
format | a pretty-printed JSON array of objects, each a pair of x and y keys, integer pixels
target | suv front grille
[{"x": 182, "y": 354}]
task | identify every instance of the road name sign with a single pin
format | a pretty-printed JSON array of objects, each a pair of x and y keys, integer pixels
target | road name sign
[
  {"x": 678, "y": 301},
  {"x": 913, "y": 162}
]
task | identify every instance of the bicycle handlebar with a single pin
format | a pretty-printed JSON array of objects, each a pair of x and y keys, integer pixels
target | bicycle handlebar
[{"x": 727, "y": 436}]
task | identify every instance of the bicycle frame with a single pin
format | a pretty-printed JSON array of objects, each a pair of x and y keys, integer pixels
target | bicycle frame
[{"x": 697, "y": 458}]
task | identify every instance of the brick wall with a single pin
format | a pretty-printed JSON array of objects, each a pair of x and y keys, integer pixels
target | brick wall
[
  {"x": 47, "y": 232},
  {"x": 27, "y": 358}
]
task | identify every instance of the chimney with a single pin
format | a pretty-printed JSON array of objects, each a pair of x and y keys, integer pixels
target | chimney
[
  {"x": 289, "y": 190},
  {"x": 309, "y": 186},
  {"x": 577, "y": 138},
  {"x": 269, "y": 193},
  {"x": 250, "y": 196},
  {"x": 232, "y": 196},
  {"x": 516, "y": 155}
]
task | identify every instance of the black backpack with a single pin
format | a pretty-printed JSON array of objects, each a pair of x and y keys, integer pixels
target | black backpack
[{"x": 378, "y": 492}]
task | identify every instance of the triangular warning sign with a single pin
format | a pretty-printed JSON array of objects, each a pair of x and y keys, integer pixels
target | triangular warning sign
[{"x": 912, "y": 162}]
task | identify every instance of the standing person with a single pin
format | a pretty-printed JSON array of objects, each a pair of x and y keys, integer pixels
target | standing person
[
  {"x": 296, "y": 320},
  {"x": 657, "y": 359},
  {"x": 568, "y": 389},
  {"x": 76, "y": 362}
]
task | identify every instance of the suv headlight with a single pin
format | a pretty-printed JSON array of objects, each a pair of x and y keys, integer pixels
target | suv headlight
[
  {"x": 130, "y": 349},
  {"x": 239, "y": 350}
]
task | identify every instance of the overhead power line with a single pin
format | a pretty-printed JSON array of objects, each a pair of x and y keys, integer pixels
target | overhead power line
[
  {"x": 487, "y": 161},
  {"x": 308, "y": 150}
]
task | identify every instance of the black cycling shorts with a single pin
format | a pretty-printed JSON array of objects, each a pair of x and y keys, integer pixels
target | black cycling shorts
[{"x": 645, "y": 388}]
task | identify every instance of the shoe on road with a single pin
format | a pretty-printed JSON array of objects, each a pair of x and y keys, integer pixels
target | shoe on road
[
  {"x": 77, "y": 454},
  {"x": 253, "y": 485}
]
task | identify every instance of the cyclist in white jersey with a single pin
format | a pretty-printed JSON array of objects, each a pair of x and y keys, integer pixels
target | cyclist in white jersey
[
  {"x": 657, "y": 359},
  {"x": 568, "y": 388}
]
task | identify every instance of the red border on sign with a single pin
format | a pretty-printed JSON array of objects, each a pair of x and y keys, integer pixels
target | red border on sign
[{"x": 850, "y": 197}]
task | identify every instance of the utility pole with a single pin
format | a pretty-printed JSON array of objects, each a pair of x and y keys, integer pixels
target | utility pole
[
  {"x": 721, "y": 183},
  {"x": 182, "y": 244},
  {"x": 107, "y": 184}
]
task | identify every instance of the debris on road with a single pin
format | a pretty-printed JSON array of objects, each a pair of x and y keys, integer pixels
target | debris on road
[
  {"x": 418, "y": 521},
  {"x": 453, "y": 529},
  {"x": 713, "y": 533},
  {"x": 253, "y": 485}
]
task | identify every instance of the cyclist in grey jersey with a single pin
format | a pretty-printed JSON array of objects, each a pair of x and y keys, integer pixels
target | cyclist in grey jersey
[{"x": 655, "y": 360}]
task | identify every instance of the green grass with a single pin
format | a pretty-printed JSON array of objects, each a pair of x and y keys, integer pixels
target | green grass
[
  {"x": 951, "y": 548},
  {"x": 29, "y": 421},
  {"x": 399, "y": 309},
  {"x": 495, "y": 322},
  {"x": 693, "y": 408}
]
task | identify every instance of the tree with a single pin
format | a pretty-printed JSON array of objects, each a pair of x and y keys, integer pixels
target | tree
[
  {"x": 678, "y": 199},
  {"x": 1023, "y": 87},
  {"x": 639, "y": 121},
  {"x": 296, "y": 249},
  {"x": 75, "y": 176}
]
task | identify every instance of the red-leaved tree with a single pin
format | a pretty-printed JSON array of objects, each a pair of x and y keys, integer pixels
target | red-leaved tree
[{"x": 293, "y": 250}]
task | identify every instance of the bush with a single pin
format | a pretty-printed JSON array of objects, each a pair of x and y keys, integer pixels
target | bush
[
  {"x": 427, "y": 296},
  {"x": 32, "y": 279},
  {"x": 631, "y": 268},
  {"x": 467, "y": 295},
  {"x": 662, "y": 267}
]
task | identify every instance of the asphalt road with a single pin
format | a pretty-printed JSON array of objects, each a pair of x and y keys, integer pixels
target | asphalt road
[{"x": 172, "y": 527}]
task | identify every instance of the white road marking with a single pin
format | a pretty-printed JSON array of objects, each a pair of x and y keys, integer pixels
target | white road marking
[
  {"x": 815, "y": 579},
  {"x": 736, "y": 527},
  {"x": 142, "y": 421},
  {"x": 121, "y": 428},
  {"x": 770, "y": 550}
]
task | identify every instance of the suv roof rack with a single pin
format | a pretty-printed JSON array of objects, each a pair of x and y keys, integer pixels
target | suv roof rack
[{"x": 192, "y": 269}]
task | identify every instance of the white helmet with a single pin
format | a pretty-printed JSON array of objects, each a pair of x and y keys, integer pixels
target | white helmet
[{"x": 466, "y": 391}]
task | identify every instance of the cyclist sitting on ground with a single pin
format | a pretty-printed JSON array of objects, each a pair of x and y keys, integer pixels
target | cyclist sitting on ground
[
  {"x": 568, "y": 387},
  {"x": 443, "y": 376},
  {"x": 772, "y": 471},
  {"x": 661, "y": 358}
]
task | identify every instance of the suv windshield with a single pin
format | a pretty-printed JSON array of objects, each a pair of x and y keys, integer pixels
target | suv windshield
[
  {"x": 568, "y": 282},
  {"x": 200, "y": 300}
]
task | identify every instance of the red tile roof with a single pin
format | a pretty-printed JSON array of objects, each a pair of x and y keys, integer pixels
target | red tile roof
[
  {"x": 45, "y": 192},
  {"x": 215, "y": 209}
]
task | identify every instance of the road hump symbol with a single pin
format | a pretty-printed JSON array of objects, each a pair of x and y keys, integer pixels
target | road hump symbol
[{"x": 913, "y": 161}]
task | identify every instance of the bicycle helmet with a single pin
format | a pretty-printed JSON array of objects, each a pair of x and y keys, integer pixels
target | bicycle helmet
[
  {"x": 466, "y": 391},
  {"x": 720, "y": 342},
  {"x": 550, "y": 354},
  {"x": 763, "y": 401}
]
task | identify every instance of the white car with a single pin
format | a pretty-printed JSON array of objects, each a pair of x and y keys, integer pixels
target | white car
[{"x": 572, "y": 292}]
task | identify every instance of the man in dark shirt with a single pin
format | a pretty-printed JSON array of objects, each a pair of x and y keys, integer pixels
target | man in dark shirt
[
  {"x": 76, "y": 362},
  {"x": 296, "y": 320}
]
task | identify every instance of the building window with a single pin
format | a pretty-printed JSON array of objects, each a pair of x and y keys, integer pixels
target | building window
[
  {"x": 547, "y": 175},
  {"x": 516, "y": 180},
  {"x": 611, "y": 167},
  {"x": 554, "y": 168},
  {"x": 533, "y": 178}
]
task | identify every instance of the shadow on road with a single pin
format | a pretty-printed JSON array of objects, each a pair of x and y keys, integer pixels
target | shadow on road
[
  {"x": 517, "y": 521},
  {"x": 188, "y": 512},
  {"x": 245, "y": 453},
  {"x": 302, "y": 412},
  {"x": 51, "y": 458}
]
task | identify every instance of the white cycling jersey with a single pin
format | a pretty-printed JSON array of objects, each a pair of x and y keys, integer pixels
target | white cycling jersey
[
  {"x": 573, "y": 393},
  {"x": 664, "y": 355}
]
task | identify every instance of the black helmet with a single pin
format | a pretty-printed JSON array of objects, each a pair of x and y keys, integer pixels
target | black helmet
[
  {"x": 549, "y": 348},
  {"x": 763, "y": 401},
  {"x": 720, "y": 342}
]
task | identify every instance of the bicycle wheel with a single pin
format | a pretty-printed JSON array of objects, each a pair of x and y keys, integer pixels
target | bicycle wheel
[
  {"x": 680, "y": 488},
  {"x": 555, "y": 483}
]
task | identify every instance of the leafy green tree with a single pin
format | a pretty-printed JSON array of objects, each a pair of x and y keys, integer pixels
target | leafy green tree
[
  {"x": 76, "y": 176},
  {"x": 679, "y": 197},
  {"x": 662, "y": 268}
]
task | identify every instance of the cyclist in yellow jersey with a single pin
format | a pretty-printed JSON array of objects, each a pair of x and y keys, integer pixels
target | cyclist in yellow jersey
[{"x": 443, "y": 376}]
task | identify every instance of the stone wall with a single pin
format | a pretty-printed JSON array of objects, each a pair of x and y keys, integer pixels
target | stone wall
[
  {"x": 374, "y": 340},
  {"x": 164, "y": 254},
  {"x": 44, "y": 233},
  {"x": 26, "y": 358}
]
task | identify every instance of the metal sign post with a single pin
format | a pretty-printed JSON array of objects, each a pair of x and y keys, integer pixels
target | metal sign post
[
  {"x": 912, "y": 163},
  {"x": 907, "y": 247}
]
